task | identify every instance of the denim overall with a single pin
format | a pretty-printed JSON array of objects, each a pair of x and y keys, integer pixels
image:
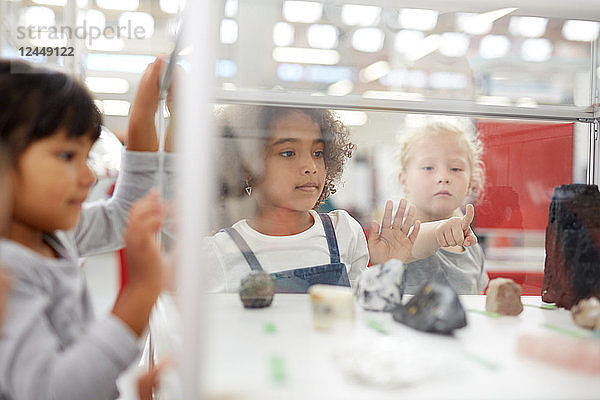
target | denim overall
[{"x": 300, "y": 279}]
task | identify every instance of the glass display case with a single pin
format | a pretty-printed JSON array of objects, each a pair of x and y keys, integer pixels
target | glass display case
[{"x": 523, "y": 79}]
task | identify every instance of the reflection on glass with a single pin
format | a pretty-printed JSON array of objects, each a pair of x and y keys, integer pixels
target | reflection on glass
[{"x": 498, "y": 54}]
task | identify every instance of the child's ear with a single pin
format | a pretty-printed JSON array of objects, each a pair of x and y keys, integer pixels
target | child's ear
[{"x": 403, "y": 185}]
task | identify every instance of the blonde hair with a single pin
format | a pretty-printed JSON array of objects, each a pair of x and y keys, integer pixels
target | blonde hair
[{"x": 463, "y": 131}]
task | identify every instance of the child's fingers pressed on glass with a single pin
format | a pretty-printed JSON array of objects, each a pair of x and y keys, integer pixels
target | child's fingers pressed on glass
[{"x": 469, "y": 215}]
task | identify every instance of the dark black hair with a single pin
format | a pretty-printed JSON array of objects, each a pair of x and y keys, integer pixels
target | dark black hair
[
  {"x": 35, "y": 102},
  {"x": 252, "y": 121}
]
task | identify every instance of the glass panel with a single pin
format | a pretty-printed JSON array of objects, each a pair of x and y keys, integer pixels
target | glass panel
[{"x": 500, "y": 57}]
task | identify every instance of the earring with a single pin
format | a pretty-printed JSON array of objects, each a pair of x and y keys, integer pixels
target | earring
[{"x": 248, "y": 188}]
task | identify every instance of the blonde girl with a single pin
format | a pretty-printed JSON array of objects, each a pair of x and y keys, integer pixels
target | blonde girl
[{"x": 440, "y": 172}]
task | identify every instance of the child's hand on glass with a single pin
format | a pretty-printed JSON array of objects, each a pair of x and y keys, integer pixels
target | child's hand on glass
[
  {"x": 144, "y": 261},
  {"x": 141, "y": 133},
  {"x": 145, "y": 268},
  {"x": 456, "y": 231},
  {"x": 395, "y": 239}
]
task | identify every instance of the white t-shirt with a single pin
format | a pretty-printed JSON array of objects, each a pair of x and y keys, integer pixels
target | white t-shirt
[{"x": 227, "y": 265}]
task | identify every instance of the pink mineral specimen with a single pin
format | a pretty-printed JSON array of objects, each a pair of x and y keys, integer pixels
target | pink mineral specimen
[
  {"x": 504, "y": 297},
  {"x": 573, "y": 353}
]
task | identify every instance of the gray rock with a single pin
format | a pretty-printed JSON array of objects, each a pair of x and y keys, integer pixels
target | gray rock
[
  {"x": 257, "y": 289},
  {"x": 380, "y": 287}
]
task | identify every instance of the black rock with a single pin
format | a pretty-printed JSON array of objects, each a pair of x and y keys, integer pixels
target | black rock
[
  {"x": 257, "y": 289},
  {"x": 435, "y": 308},
  {"x": 572, "y": 266}
]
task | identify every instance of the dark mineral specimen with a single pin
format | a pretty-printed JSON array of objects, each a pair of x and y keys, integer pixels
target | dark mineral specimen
[
  {"x": 572, "y": 267},
  {"x": 435, "y": 308},
  {"x": 257, "y": 289}
]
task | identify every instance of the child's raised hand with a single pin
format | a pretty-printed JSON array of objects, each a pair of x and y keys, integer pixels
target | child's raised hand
[
  {"x": 395, "y": 240},
  {"x": 141, "y": 134},
  {"x": 456, "y": 231}
]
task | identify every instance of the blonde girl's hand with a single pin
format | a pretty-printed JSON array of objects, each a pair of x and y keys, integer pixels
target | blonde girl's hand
[
  {"x": 456, "y": 231},
  {"x": 141, "y": 132},
  {"x": 394, "y": 239}
]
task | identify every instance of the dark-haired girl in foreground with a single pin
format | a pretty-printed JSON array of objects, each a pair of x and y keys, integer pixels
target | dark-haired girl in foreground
[{"x": 51, "y": 346}]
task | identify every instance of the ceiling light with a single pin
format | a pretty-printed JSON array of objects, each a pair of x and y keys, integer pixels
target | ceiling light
[
  {"x": 290, "y": 72},
  {"x": 407, "y": 40},
  {"x": 231, "y": 8},
  {"x": 51, "y": 2},
  {"x": 99, "y": 84},
  {"x": 302, "y": 11},
  {"x": 494, "y": 46},
  {"x": 137, "y": 25},
  {"x": 92, "y": 18},
  {"x": 353, "y": 14},
  {"x": 229, "y": 31},
  {"x": 300, "y": 55},
  {"x": 480, "y": 24},
  {"x": 37, "y": 16},
  {"x": 448, "y": 80},
  {"x": 528, "y": 26},
  {"x": 283, "y": 34},
  {"x": 419, "y": 19},
  {"x": 171, "y": 6},
  {"x": 322, "y": 36},
  {"x": 127, "y": 5},
  {"x": 328, "y": 73},
  {"x": 119, "y": 108},
  {"x": 352, "y": 118},
  {"x": 536, "y": 50},
  {"x": 453, "y": 44},
  {"x": 340, "y": 88},
  {"x": 470, "y": 24},
  {"x": 583, "y": 31},
  {"x": 226, "y": 68},
  {"x": 369, "y": 40},
  {"x": 374, "y": 71}
]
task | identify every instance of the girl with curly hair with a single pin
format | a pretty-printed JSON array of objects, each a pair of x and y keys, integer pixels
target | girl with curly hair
[{"x": 289, "y": 161}]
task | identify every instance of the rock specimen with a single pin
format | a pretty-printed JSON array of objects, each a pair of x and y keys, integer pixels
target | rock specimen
[
  {"x": 380, "y": 287},
  {"x": 572, "y": 266},
  {"x": 332, "y": 305},
  {"x": 587, "y": 313},
  {"x": 257, "y": 289},
  {"x": 435, "y": 308},
  {"x": 503, "y": 297}
]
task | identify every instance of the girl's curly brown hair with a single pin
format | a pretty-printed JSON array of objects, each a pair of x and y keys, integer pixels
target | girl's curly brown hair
[{"x": 255, "y": 122}]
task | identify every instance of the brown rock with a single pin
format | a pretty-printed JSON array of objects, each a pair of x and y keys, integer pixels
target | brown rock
[
  {"x": 504, "y": 297},
  {"x": 572, "y": 266}
]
